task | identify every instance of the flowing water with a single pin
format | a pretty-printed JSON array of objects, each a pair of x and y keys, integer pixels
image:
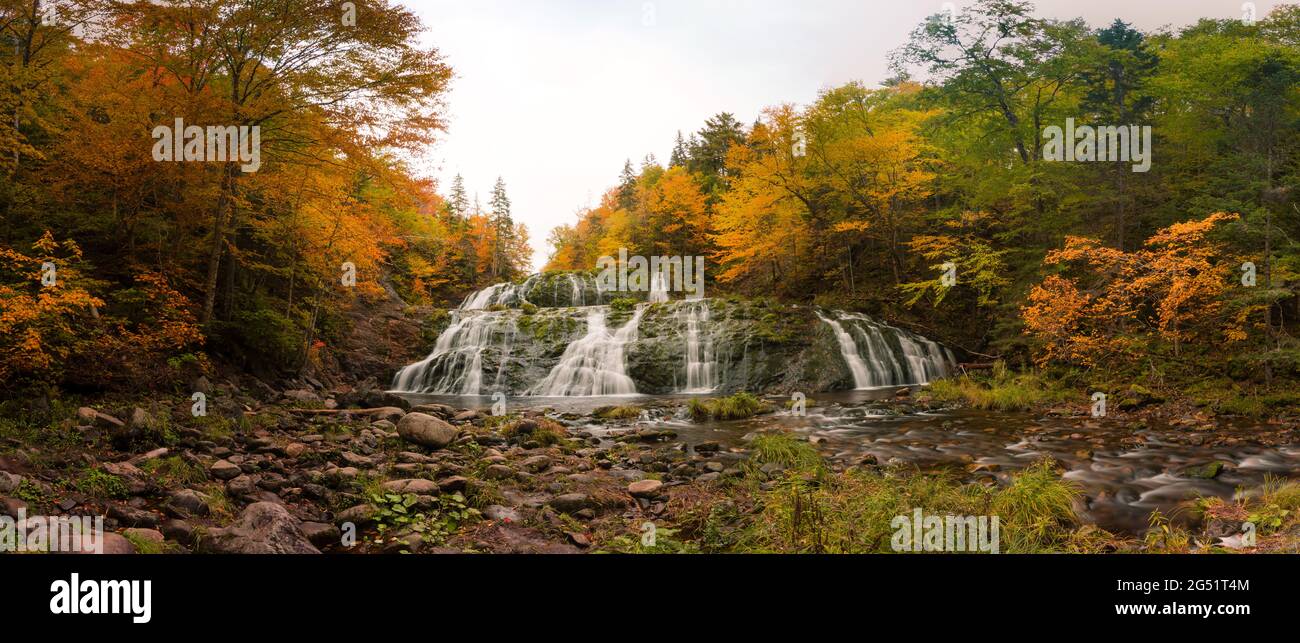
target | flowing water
[
  {"x": 1124, "y": 473},
  {"x": 575, "y": 354}
]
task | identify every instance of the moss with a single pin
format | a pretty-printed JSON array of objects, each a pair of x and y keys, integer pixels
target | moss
[{"x": 622, "y": 304}]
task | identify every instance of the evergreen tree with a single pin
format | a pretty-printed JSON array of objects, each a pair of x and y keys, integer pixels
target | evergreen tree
[
  {"x": 503, "y": 228},
  {"x": 627, "y": 186},
  {"x": 458, "y": 203},
  {"x": 681, "y": 155}
]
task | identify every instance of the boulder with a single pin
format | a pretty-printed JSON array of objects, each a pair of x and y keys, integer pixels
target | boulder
[
  {"x": 426, "y": 430},
  {"x": 262, "y": 528},
  {"x": 644, "y": 488}
]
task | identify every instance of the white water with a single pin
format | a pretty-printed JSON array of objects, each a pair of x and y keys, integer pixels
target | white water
[
  {"x": 658, "y": 289},
  {"x": 699, "y": 355},
  {"x": 915, "y": 360},
  {"x": 596, "y": 364},
  {"x": 455, "y": 366}
]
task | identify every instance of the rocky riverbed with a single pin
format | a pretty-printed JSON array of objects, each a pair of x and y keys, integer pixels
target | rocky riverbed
[{"x": 306, "y": 470}]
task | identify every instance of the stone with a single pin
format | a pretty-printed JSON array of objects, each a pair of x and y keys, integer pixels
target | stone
[
  {"x": 644, "y": 488},
  {"x": 224, "y": 470},
  {"x": 321, "y": 534},
  {"x": 426, "y": 430},
  {"x": 570, "y": 502},
  {"x": 453, "y": 484},
  {"x": 116, "y": 544},
  {"x": 418, "y": 486},
  {"x": 151, "y": 535},
  {"x": 241, "y": 486},
  {"x": 537, "y": 463},
  {"x": 187, "y": 502},
  {"x": 179, "y": 531},
  {"x": 129, "y": 516},
  {"x": 262, "y": 528},
  {"x": 498, "y": 472},
  {"x": 501, "y": 513},
  {"x": 358, "y": 515},
  {"x": 465, "y": 416},
  {"x": 9, "y": 481}
]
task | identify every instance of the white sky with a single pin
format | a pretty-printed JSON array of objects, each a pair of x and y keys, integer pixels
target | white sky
[{"x": 553, "y": 95}]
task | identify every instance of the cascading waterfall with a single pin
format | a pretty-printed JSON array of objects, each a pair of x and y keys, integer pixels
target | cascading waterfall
[
  {"x": 455, "y": 366},
  {"x": 907, "y": 359},
  {"x": 699, "y": 355},
  {"x": 595, "y": 364},
  {"x": 527, "y": 338}
]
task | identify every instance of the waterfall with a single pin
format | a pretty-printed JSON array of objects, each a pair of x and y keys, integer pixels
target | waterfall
[
  {"x": 658, "y": 288},
  {"x": 894, "y": 357},
  {"x": 596, "y": 363},
  {"x": 699, "y": 356},
  {"x": 455, "y": 366}
]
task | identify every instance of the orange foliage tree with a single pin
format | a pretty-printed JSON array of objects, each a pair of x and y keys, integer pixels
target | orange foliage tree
[{"x": 1115, "y": 308}]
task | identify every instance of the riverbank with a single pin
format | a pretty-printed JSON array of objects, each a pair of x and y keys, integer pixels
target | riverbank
[{"x": 292, "y": 471}]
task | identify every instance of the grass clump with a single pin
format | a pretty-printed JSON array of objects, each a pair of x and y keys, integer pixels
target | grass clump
[
  {"x": 1001, "y": 391},
  {"x": 854, "y": 512},
  {"x": 173, "y": 471},
  {"x": 541, "y": 430},
  {"x": 735, "y": 407},
  {"x": 786, "y": 450},
  {"x": 628, "y": 412}
]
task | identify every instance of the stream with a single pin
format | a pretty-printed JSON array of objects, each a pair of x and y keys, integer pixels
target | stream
[{"x": 1125, "y": 472}]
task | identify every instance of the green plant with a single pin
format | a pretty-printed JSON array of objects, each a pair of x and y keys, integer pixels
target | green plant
[
  {"x": 622, "y": 304},
  {"x": 397, "y": 513},
  {"x": 101, "y": 484}
]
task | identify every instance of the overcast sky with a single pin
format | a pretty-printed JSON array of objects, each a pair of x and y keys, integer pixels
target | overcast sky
[{"x": 553, "y": 95}]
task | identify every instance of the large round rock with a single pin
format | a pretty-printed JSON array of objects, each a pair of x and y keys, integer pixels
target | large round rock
[
  {"x": 263, "y": 528},
  {"x": 426, "y": 430}
]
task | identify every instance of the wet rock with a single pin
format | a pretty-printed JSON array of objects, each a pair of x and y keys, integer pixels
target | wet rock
[
  {"x": 467, "y": 416},
  {"x": 262, "y": 528},
  {"x": 1207, "y": 471},
  {"x": 426, "y": 430}
]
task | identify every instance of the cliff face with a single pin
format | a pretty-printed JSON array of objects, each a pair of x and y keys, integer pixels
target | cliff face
[{"x": 529, "y": 339}]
